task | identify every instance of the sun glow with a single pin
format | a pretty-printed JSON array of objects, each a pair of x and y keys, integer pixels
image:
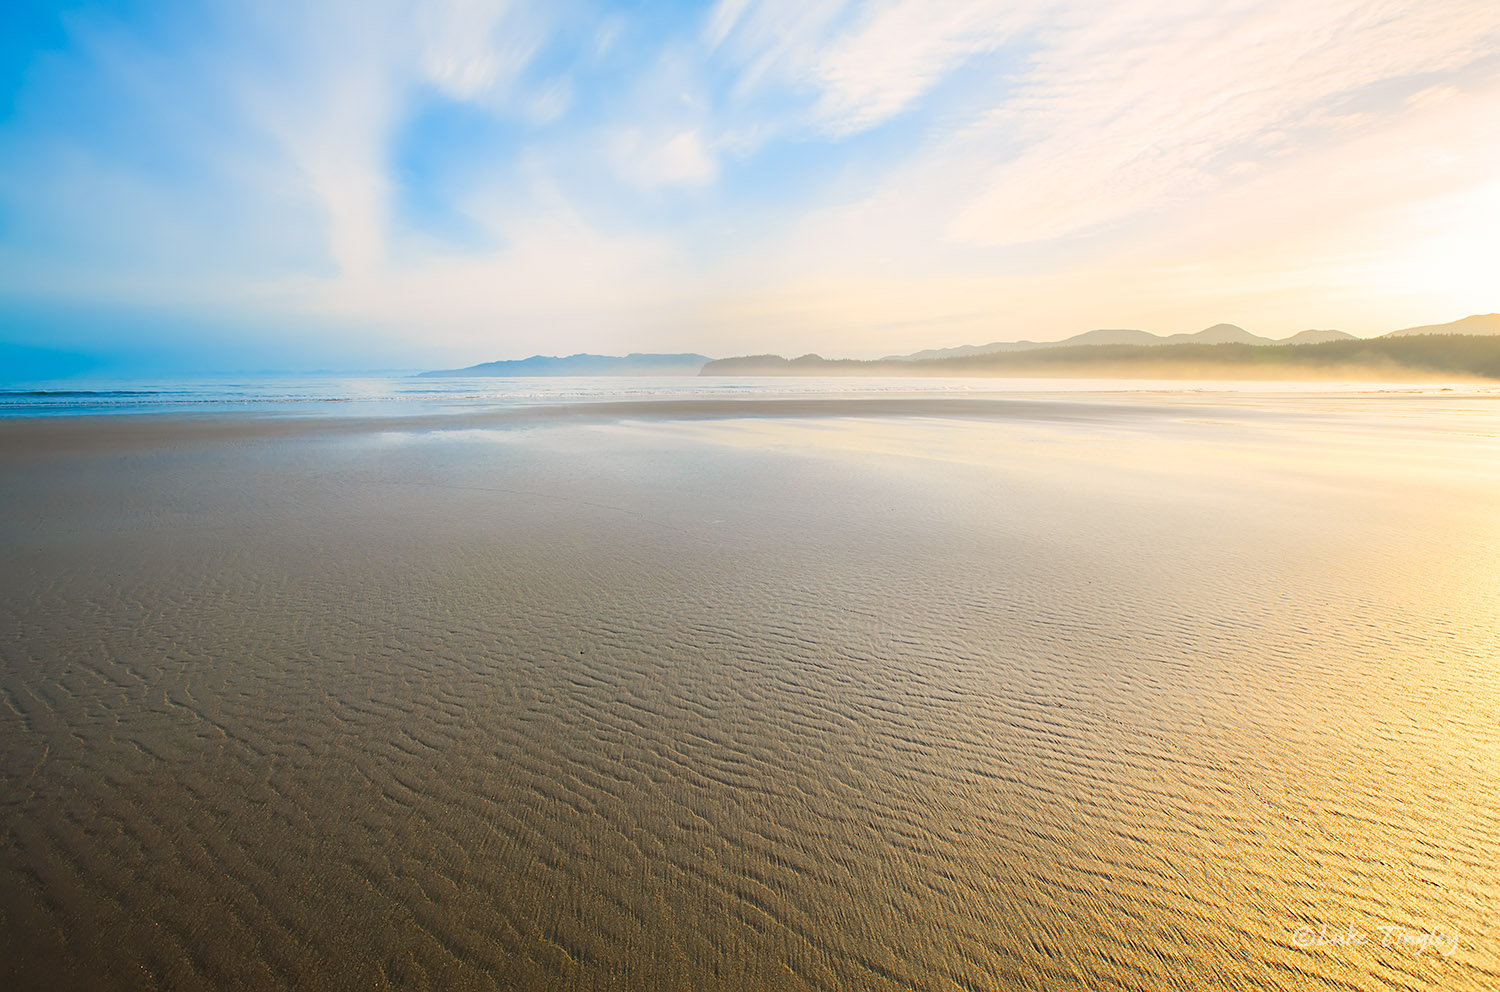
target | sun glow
[
  {"x": 1454, "y": 255},
  {"x": 441, "y": 183}
]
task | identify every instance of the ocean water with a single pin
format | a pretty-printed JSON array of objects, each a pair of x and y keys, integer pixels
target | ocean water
[
  {"x": 408, "y": 394},
  {"x": 411, "y": 395},
  {"x": 804, "y": 686}
]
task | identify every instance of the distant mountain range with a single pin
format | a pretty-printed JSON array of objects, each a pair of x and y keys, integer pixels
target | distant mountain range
[
  {"x": 1484, "y": 324},
  {"x": 544, "y": 365},
  {"x": 1217, "y": 334},
  {"x": 1480, "y": 324},
  {"x": 1463, "y": 349},
  {"x": 1094, "y": 349}
]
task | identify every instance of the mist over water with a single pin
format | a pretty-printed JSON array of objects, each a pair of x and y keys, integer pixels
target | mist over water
[{"x": 822, "y": 687}]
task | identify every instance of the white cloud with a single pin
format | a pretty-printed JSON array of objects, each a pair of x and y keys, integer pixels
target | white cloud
[
  {"x": 773, "y": 43},
  {"x": 657, "y": 160},
  {"x": 863, "y": 63},
  {"x": 334, "y": 120},
  {"x": 330, "y": 120},
  {"x": 1117, "y": 109},
  {"x": 475, "y": 48},
  {"x": 726, "y": 15},
  {"x": 1269, "y": 162},
  {"x": 900, "y": 52},
  {"x": 1137, "y": 105},
  {"x": 1113, "y": 161}
]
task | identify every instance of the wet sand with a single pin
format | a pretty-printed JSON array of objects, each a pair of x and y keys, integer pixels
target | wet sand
[{"x": 1136, "y": 693}]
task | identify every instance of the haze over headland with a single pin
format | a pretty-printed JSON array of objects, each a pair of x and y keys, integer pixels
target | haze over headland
[
  {"x": 1463, "y": 349},
  {"x": 239, "y": 185}
]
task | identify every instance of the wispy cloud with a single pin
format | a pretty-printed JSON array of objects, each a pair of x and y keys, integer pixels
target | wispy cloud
[
  {"x": 901, "y": 51},
  {"x": 764, "y": 173},
  {"x": 671, "y": 159},
  {"x": 473, "y": 49},
  {"x": 859, "y": 65},
  {"x": 1139, "y": 104}
]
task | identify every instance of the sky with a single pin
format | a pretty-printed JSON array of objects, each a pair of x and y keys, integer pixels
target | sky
[{"x": 238, "y": 184}]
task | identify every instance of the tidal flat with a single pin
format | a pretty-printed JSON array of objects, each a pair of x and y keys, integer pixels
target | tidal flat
[{"x": 1138, "y": 691}]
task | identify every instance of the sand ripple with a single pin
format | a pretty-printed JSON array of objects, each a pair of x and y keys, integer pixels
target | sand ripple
[{"x": 648, "y": 704}]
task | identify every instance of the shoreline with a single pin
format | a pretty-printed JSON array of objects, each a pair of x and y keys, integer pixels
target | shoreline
[
  {"x": 89, "y": 432},
  {"x": 81, "y": 432}
]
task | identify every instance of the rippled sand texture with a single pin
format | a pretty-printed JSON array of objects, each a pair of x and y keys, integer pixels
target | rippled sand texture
[{"x": 1110, "y": 694}]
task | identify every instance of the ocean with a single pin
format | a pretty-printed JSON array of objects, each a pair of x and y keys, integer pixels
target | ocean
[{"x": 406, "y": 393}]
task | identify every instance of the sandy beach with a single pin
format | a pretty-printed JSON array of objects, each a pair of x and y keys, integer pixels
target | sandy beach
[{"x": 1070, "y": 693}]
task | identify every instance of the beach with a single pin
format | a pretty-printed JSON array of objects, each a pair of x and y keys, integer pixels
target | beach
[{"x": 1068, "y": 691}]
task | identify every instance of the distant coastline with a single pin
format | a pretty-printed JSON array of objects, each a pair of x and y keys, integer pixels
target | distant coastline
[
  {"x": 1428, "y": 357},
  {"x": 582, "y": 364},
  {"x": 1463, "y": 349}
]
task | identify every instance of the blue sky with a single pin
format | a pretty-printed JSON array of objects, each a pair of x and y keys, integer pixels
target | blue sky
[{"x": 235, "y": 185}]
